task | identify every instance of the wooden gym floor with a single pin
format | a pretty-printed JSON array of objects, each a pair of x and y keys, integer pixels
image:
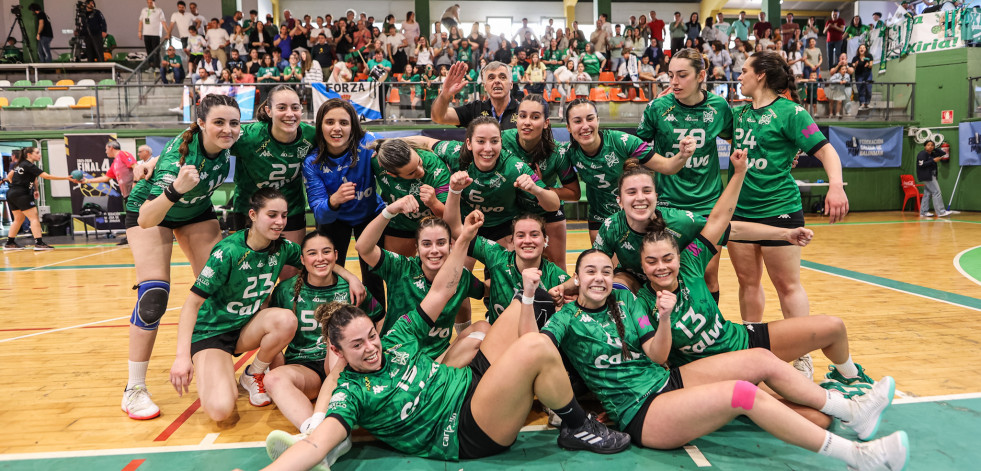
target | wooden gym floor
[{"x": 907, "y": 288}]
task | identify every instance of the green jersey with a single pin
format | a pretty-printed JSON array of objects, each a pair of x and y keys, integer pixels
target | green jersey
[
  {"x": 262, "y": 161},
  {"x": 699, "y": 330},
  {"x": 308, "y": 342},
  {"x": 501, "y": 267},
  {"x": 236, "y": 280},
  {"x": 407, "y": 286},
  {"x": 212, "y": 173},
  {"x": 517, "y": 73},
  {"x": 391, "y": 188},
  {"x": 555, "y": 55},
  {"x": 492, "y": 192},
  {"x": 666, "y": 121},
  {"x": 554, "y": 172},
  {"x": 615, "y": 237},
  {"x": 601, "y": 171},
  {"x": 590, "y": 341},
  {"x": 592, "y": 63},
  {"x": 772, "y": 135},
  {"x": 412, "y": 403}
]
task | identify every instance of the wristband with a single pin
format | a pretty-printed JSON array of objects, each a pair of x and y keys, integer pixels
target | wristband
[
  {"x": 455, "y": 192},
  {"x": 172, "y": 194},
  {"x": 386, "y": 214},
  {"x": 527, "y": 299}
]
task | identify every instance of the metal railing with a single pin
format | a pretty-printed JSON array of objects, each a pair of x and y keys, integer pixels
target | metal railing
[{"x": 162, "y": 106}]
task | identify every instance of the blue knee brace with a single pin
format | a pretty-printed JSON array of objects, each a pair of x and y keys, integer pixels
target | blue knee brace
[{"x": 151, "y": 304}]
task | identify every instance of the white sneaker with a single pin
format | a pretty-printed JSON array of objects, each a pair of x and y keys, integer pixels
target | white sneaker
[
  {"x": 889, "y": 453},
  {"x": 138, "y": 405},
  {"x": 177, "y": 109},
  {"x": 867, "y": 409},
  {"x": 927, "y": 214},
  {"x": 253, "y": 384},
  {"x": 805, "y": 366},
  {"x": 279, "y": 441},
  {"x": 943, "y": 214}
]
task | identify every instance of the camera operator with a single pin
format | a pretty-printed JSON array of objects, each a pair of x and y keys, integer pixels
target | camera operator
[
  {"x": 96, "y": 32},
  {"x": 44, "y": 32}
]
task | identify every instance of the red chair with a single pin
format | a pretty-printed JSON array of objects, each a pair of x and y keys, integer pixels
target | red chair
[{"x": 910, "y": 190}]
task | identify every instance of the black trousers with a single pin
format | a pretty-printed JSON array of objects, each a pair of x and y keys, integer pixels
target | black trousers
[
  {"x": 151, "y": 43},
  {"x": 340, "y": 233}
]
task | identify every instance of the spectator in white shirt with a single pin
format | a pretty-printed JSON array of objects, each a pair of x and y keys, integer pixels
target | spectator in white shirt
[
  {"x": 198, "y": 20},
  {"x": 218, "y": 40},
  {"x": 153, "y": 23},
  {"x": 182, "y": 20}
]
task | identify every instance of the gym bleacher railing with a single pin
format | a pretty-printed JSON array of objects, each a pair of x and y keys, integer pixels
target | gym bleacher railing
[{"x": 109, "y": 105}]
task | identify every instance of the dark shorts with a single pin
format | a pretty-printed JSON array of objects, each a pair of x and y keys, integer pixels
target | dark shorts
[
  {"x": 240, "y": 221},
  {"x": 20, "y": 200},
  {"x": 474, "y": 442},
  {"x": 759, "y": 335},
  {"x": 402, "y": 234},
  {"x": 495, "y": 233},
  {"x": 225, "y": 342},
  {"x": 554, "y": 216},
  {"x": 316, "y": 366},
  {"x": 787, "y": 221},
  {"x": 132, "y": 219},
  {"x": 594, "y": 225},
  {"x": 636, "y": 426}
]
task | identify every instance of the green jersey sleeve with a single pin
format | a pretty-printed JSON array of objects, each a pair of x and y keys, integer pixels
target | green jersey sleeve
[
  {"x": 214, "y": 275},
  {"x": 449, "y": 153}
]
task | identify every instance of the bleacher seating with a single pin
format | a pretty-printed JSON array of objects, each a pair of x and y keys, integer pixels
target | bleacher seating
[{"x": 62, "y": 103}]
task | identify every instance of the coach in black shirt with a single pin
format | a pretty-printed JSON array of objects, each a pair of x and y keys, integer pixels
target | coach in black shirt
[{"x": 500, "y": 104}]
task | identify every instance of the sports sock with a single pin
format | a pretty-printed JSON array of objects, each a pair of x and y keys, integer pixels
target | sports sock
[
  {"x": 839, "y": 448},
  {"x": 837, "y": 406},
  {"x": 137, "y": 374},
  {"x": 715, "y": 296},
  {"x": 572, "y": 414},
  {"x": 257, "y": 366},
  {"x": 38, "y": 241},
  {"x": 848, "y": 368}
]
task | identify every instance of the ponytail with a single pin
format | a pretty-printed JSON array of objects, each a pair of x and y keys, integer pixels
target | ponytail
[
  {"x": 779, "y": 75},
  {"x": 186, "y": 139}
]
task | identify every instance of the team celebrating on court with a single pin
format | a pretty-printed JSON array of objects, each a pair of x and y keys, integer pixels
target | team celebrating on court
[{"x": 636, "y": 325}]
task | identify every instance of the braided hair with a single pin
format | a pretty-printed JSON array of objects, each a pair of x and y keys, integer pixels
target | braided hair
[
  {"x": 202, "y": 111},
  {"x": 333, "y": 317},
  {"x": 612, "y": 306},
  {"x": 546, "y": 144},
  {"x": 779, "y": 75},
  {"x": 301, "y": 278},
  {"x": 631, "y": 168}
]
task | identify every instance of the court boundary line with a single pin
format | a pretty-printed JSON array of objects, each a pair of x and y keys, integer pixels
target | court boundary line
[
  {"x": 957, "y": 265},
  {"x": 932, "y": 294},
  {"x": 233, "y": 446},
  {"x": 72, "y": 259},
  {"x": 79, "y": 326}
]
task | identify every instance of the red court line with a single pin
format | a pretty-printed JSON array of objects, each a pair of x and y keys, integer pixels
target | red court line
[
  {"x": 133, "y": 465},
  {"x": 176, "y": 424}
]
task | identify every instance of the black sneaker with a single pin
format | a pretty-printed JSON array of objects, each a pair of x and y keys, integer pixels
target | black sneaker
[
  {"x": 42, "y": 246},
  {"x": 123, "y": 242},
  {"x": 593, "y": 436},
  {"x": 11, "y": 245}
]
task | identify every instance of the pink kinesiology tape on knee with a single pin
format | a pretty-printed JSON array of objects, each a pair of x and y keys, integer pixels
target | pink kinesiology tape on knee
[{"x": 743, "y": 395}]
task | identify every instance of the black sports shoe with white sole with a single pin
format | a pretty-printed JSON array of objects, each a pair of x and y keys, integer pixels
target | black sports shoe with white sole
[{"x": 593, "y": 436}]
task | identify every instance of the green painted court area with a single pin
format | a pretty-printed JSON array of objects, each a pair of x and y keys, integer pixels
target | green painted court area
[
  {"x": 943, "y": 436},
  {"x": 968, "y": 263}
]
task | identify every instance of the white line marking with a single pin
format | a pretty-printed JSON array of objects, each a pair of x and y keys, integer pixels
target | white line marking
[
  {"x": 957, "y": 265},
  {"x": 128, "y": 451},
  {"x": 72, "y": 327},
  {"x": 209, "y": 439},
  {"x": 941, "y": 398},
  {"x": 73, "y": 259},
  {"x": 893, "y": 289},
  {"x": 235, "y": 446},
  {"x": 696, "y": 455}
]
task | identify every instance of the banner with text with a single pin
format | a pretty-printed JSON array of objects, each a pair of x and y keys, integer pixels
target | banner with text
[
  {"x": 87, "y": 152},
  {"x": 969, "y": 150},
  {"x": 362, "y": 95},
  {"x": 868, "y": 148}
]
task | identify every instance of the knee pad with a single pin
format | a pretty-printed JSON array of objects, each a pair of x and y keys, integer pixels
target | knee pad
[
  {"x": 744, "y": 395},
  {"x": 618, "y": 285},
  {"x": 151, "y": 304}
]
